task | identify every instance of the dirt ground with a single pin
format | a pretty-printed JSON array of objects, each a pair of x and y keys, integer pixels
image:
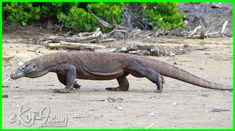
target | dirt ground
[{"x": 26, "y": 102}]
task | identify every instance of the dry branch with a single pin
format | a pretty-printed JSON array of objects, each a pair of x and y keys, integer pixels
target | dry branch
[
  {"x": 194, "y": 31},
  {"x": 102, "y": 22},
  {"x": 76, "y": 46},
  {"x": 92, "y": 37},
  {"x": 223, "y": 27}
]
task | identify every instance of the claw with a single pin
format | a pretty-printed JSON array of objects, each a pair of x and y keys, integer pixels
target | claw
[
  {"x": 76, "y": 85},
  {"x": 61, "y": 90},
  {"x": 160, "y": 84},
  {"x": 111, "y": 88},
  {"x": 116, "y": 89}
]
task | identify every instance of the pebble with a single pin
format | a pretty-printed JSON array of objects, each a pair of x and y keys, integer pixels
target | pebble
[
  {"x": 175, "y": 104},
  {"x": 5, "y": 96},
  {"x": 16, "y": 97}
]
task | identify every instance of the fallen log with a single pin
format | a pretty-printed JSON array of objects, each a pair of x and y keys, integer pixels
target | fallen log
[
  {"x": 223, "y": 28},
  {"x": 107, "y": 40},
  {"x": 75, "y": 46},
  {"x": 85, "y": 38},
  {"x": 194, "y": 31},
  {"x": 57, "y": 39}
]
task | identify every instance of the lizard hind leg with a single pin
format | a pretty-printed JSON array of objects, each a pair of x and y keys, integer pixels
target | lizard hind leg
[
  {"x": 123, "y": 85},
  {"x": 137, "y": 70},
  {"x": 160, "y": 83}
]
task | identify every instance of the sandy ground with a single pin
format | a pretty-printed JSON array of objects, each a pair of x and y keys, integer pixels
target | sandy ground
[{"x": 26, "y": 102}]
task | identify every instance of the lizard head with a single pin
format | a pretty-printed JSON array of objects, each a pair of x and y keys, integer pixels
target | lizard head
[
  {"x": 27, "y": 69},
  {"x": 24, "y": 70}
]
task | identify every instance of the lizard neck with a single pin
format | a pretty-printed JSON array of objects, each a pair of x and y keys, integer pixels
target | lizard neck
[{"x": 53, "y": 67}]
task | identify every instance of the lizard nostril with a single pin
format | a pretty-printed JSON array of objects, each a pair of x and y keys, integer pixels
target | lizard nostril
[{"x": 12, "y": 75}]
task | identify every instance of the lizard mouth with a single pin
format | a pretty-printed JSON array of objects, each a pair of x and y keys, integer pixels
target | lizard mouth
[
  {"x": 16, "y": 75},
  {"x": 35, "y": 74}
]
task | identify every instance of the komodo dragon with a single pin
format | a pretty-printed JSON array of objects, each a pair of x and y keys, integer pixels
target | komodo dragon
[{"x": 106, "y": 66}]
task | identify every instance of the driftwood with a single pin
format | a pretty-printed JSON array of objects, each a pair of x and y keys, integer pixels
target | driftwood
[
  {"x": 197, "y": 28},
  {"x": 221, "y": 32},
  {"x": 195, "y": 31},
  {"x": 223, "y": 28},
  {"x": 102, "y": 22},
  {"x": 80, "y": 38},
  {"x": 56, "y": 39},
  {"x": 202, "y": 29},
  {"x": 153, "y": 50},
  {"x": 76, "y": 46},
  {"x": 127, "y": 19},
  {"x": 107, "y": 40},
  {"x": 84, "y": 34},
  {"x": 116, "y": 33}
]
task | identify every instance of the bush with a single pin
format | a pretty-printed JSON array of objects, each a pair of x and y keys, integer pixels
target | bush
[
  {"x": 162, "y": 15},
  {"x": 78, "y": 16},
  {"x": 50, "y": 11},
  {"x": 21, "y": 12},
  {"x": 78, "y": 19},
  {"x": 106, "y": 11}
]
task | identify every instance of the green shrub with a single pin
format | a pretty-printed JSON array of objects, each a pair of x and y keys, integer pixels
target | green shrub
[
  {"x": 21, "y": 12},
  {"x": 162, "y": 15},
  {"x": 52, "y": 10},
  {"x": 78, "y": 19},
  {"x": 78, "y": 16},
  {"x": 106, "y": 11}
]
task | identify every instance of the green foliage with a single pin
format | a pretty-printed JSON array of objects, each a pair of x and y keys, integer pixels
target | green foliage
[
  {"x": 52, "y": 10},
  {"x": 21, "y": 12},
  {"x": 77, "y": 16},
  {"x": 106, "y": 11},
  {"x": 78, "y": 19},
  {"x": 163, "y": 15}
]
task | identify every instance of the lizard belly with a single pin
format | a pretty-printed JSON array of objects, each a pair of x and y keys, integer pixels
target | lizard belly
[
  {"x": 99, "y": 75},
  {"x": 100, "y": 67}
]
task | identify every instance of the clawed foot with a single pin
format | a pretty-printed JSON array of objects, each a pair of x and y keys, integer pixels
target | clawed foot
[
  {"x": 111, "y": 88},
  {"x": 158, "y": 91},
  {"x": 65, "y": 90},
  {"x": 160, "y": 84},
  {"x": 76, "y": 85},
  {"x": 115, "y": 89}
]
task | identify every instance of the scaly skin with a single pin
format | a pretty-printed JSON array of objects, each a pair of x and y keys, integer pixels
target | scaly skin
[{"x": 106, "y": 66}]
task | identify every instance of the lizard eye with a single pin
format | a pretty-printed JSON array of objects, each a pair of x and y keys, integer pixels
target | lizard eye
[
  {"x": 23, "y": 67},
  {"x": 34, "y": 66}
]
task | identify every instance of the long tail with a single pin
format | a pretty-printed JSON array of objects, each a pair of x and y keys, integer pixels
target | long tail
[{"x": 168, "y": 70}]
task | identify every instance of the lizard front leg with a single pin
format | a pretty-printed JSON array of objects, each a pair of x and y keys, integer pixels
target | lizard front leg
[
  {"x": 123, "y": 85},
  {"x": 70, "y": 73},
  {"x": 61, "y": 75}
]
